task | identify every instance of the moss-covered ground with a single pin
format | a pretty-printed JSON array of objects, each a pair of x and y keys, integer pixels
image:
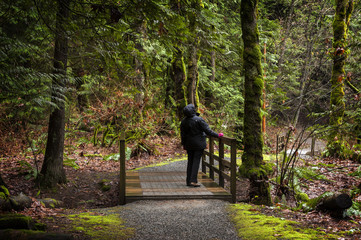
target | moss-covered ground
[
  {"x": 99, "y": 226},
  {"x": 253, "y": 225}
]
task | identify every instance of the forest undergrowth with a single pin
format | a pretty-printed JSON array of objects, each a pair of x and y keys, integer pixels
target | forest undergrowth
[{"x": 93, "y": 176}]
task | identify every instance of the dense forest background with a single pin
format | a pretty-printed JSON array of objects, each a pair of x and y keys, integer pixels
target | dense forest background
[
  {"x": 124, "y": 62},
  {"x": 83, "y": 71},
  {"x": 135, "y": 64}
]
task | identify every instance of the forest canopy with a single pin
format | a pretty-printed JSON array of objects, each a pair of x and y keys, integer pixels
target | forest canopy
[{"x": 103, "y": 67}]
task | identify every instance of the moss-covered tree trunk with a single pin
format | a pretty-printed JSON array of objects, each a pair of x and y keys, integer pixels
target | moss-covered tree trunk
[
  {"x": 52, "y": 171},
  {"x": 192, "y": 80},
  {"x": 339, "y": 54},
  {"x": 252, "y": 160},
  {"x": 192, "y": 77}
]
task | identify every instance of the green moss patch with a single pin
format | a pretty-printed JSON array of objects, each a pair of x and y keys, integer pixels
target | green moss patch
[
  {"x": 251, "y": 224},
  {"x": 268, "y": 158},
  {"x": 4, "y": 192},
  {"x": 99, "y": 226},
  {"x": 105, "y": 185},
  {"x": 16, "y": 221}
]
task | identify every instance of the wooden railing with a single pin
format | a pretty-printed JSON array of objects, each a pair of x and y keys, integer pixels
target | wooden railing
[
  {"x": 220, "y": 169},
  {"x": 223, "y": 163}
]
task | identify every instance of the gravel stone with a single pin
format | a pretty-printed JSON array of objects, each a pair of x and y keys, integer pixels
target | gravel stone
[{"x": 179, "y": 219}]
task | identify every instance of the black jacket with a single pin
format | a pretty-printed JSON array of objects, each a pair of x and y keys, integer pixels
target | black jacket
[{"x": 194, "y": 130}]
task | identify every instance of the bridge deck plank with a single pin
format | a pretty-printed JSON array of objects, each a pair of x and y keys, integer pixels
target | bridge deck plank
[{"x": 170, "y": 185}]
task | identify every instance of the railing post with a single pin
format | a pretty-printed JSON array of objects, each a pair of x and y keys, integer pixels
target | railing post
[
  {"x": 221, "y": 166},
  {"x": 204, "y": 167},
  {"x": 233, "y": 170},
  {"x": 211, "y": 158},
  {"x": 122, "y": 180}
]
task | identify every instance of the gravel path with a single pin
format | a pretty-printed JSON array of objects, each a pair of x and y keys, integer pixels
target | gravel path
[
  {"x": 175, "y": 166},
  {"x": 179, "y": 219}
]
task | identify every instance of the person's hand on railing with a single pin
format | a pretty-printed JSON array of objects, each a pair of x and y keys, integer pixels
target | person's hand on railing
[{"x": 220, "y": 135}]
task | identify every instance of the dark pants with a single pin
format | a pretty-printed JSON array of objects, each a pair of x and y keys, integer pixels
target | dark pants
[{"x": 194, "y": 158}]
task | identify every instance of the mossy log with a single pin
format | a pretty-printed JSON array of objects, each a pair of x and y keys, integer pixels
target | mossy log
[
  {"x": 5, "y": 205},
  {"x": 32, "y": 235},
  {"x": 20, "y": 202},
  {"x": 51, "y": 203},
  {"x": 16, "y": 221},
  {"x": 336, "y": 202},
  {"x": 17, "y": 226}
]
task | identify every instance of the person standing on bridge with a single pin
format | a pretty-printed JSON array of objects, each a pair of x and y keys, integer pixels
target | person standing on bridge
[{"x": 193, "y": 135}]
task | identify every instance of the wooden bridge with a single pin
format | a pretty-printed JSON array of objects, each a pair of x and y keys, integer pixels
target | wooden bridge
[{"x": 161, "y": 185}]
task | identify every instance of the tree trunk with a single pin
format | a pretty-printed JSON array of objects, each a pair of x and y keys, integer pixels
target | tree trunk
[
  {"x": 264, "y": 91},
  {"x": 208, "y": 94},
  {"x": 252, "y": 160},
  {"x": 178, "y": 71},
  {"x": 52, "y": 171},
  {"x": 2, "y": 183},
  {"x": 192, "y": 77},
  {"x": 212, "y": 78},
  {"x": 339, "y": 53},
  {"x": 178, "y": 76},
  {"x": 82, "y": 99},
  {"x": 312, "y": 34},
  {"x": 140, "y": 72},
  {"x": 284, "y": 40},
  {"x": 304, "y": 77},
  {"x": 192, "y": 74}
]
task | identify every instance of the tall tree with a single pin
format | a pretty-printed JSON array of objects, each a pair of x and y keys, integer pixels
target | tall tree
[
  {"x": 314, "y": 25},
  {"x": 192, "y": 80},
  {"x": 177, "y": 74},
  {"x": 52, "y": 171},
  {"x": 339, "y": 53},
  {"x": 253, "y": 165}
]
